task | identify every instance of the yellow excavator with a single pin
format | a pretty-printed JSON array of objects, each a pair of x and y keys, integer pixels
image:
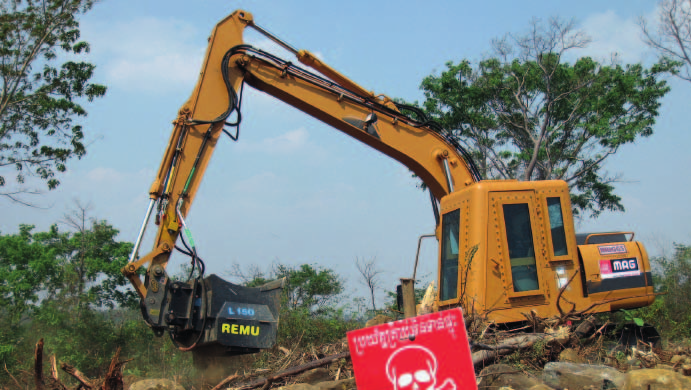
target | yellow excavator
[{"x": 506, "y": 247}]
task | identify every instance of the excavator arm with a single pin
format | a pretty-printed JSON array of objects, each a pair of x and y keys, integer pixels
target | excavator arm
[{"x": 193, "y": 312}]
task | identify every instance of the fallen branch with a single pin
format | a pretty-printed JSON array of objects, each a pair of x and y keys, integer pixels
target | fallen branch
[
  {"x": 480, "y": 358},
  {"x": 226, "y": 381},
  {"x": 599, "y": 331},
  {"x": 266, "y": 382},
  {"x": 78, "y": 375}
]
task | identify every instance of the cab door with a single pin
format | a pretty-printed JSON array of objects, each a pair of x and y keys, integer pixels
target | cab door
[{"x": 517, "y": 253}]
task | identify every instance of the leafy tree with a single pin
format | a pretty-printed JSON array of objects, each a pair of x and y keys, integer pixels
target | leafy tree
[
  {"x": 89, "y": 262},
  {"x": 307, "y": 287},
  {"x": 528, "y": 114},
  {"x": 672, "y": 38},
  {"x": 41, "y": 92},
  {"x": 25, "y": 265},
  {"x": 76, "y": 269}
]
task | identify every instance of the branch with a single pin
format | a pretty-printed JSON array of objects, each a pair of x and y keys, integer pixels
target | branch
[
  {"x": 29, "y": 59},
  {"x": 293, "y": 371},
  {"x": 16, "y": 382},
  {"x": 590, "y": 166},
  {"x": 575, "y": 153},
  {"x": 11, "y": 196},
  {"x": 224, "y": 382},
  {"x": 78, "y": 375},
  {"x": 517, "y": 343}
]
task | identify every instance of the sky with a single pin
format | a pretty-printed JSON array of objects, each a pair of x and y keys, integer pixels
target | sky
[{"x": 293, "y": 190}]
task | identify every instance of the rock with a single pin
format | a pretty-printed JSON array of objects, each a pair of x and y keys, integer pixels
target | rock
[
  {"x": 579, "y": 376},
  {"x": 569, "y": 355},
  {"x": 499, "y": 375},
  {"x": 314, "y": 376},
  {"x": 686, "y": 369},
  {"x": 378, "y": 320},
  {"x": 343, "y": 384},
  {"x": 655, "y": 379},
  {"x": 156, "y": 384},
  {"x": 676, "y": 359}
]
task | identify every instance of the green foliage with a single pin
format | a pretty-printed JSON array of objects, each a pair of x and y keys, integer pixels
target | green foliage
[
  {"x": 25, "y": 264},
  {"x": 630, "y": 317},
  {"x": 40, "y": 94},
  {"x": 670, "y": 314},
  {"x": 533, "y": 116},
  {"x": 85, "y": 257},
  {"x": 55, "y": 285},
  {"x": 78, "y": 269},
  {"x": 84, "y": 314},
  {"x": 300, "y": 326},
  {"x": 88, "y": 342},
  {"x": 307, "y": 287}
]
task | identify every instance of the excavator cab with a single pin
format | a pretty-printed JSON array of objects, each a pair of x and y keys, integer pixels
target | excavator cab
[{"x": 508, "y": 247}]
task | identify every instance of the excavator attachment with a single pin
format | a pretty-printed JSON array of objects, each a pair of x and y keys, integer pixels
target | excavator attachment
[{"x": 213, "y": 314}]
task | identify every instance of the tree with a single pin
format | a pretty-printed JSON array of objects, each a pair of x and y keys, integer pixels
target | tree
[
  {"x": 307, "y": 287},
  {"x": 77, "y": 270},
  {"x": 89, "y": 260},
  {"x": 41, "y": 92},
  {"x": 527, "y": 114},
  {"x": 370, "y": 276},
  {"x": 25, "y": 265},
  {"x": 672, "y": 38}
]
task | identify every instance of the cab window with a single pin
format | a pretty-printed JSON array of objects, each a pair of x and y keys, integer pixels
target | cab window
[
  {"x": 448, "y": 284},
  {"x": 519, "y": 235},
  {"x": 556, "y": 225}
]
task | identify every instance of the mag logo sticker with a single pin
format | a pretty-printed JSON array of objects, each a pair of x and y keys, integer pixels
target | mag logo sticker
[
  {"x": 612, "y": 249},
  {"x": 619, "y": 268}
]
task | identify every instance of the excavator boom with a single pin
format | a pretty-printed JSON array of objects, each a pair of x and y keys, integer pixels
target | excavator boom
[{"x": 214, "y": 109}]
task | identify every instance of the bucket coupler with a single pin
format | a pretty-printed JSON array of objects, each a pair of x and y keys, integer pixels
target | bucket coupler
[{"x": 213, "y": 314}]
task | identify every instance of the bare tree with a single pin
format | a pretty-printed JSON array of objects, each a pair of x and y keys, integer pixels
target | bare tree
[
  {"x": 78, "y": 219},
  {"x": 672, "y": 37},
  {"x": 370, "y": 275},
  {"x": 249, "y": 275}
]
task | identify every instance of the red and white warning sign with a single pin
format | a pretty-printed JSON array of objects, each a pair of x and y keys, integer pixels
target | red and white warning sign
[{"x": 429, "y": 352}]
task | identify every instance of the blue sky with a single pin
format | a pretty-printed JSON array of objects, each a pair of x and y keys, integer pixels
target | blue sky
[{"x": 294, "y": 190}]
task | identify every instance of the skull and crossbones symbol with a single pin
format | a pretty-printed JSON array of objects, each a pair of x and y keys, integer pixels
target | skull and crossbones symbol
[{"x": 414, "y": 367}]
